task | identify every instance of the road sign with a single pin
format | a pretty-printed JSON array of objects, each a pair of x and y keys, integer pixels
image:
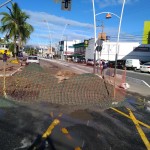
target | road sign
[
  {"x": 99, "y": 48},
  {"x": 66, "y": 5},
  {"x": 99, "y": 42}
]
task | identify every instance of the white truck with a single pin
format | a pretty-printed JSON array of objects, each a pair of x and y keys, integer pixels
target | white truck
[
  {"x": 134, "y": 64},
  {"x": 126, "y": 51}
]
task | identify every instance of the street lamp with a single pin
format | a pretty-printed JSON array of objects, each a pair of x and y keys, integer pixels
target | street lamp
[
  {"x": 66, "y": 47},
  {"x": 50, "y": 35},
  {"x": 94, "y": 15},
  {"x": 108, "y": 15},
  {"x": 117, "y": 50},
  {"x": 64, "y": 30},
  {"x": 62, "y": 54}
]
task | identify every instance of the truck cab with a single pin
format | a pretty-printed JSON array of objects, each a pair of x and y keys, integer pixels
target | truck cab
[{"x": 133, "y": 64}]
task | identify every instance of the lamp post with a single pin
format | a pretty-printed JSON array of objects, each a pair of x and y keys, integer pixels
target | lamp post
[
  {"x": 62, "y": 53},
  {"x": 118, "y": 36},
  {"x": 66, "y": 47},
  {"x": 117, "y": 49},
  {"x": 64, "y": 30},
  {"x": 108, "y": 15},
  {"x": 50, "y": 35},
  {"x": 94, "y": 15}
]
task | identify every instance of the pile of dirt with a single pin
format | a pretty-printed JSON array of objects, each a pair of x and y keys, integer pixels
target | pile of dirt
[
  {"x": 37, "y": 84},
  {"x": 64, "y": 75}
]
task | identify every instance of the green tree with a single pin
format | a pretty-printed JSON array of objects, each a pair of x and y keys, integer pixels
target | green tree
[{"x": 14, "y": 24}]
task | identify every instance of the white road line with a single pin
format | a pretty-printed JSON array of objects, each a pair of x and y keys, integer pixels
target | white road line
[
  {"x": 139, "y": 80},
  {"x": 146, "y": 83}
]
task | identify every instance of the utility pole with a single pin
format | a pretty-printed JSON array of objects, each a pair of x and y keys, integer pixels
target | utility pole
[
  {"x": 66, "y": 47},
  {"x": 102, "y": 26}
]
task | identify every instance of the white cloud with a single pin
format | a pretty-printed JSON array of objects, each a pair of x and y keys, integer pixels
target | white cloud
[{"x": 46, "y": 25}]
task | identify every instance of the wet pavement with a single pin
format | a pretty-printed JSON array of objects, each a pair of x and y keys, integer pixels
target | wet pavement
[{"x": 20, "y": 124}]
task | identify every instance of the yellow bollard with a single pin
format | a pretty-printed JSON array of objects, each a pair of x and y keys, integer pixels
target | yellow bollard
[{"x": 4, "y": 84}]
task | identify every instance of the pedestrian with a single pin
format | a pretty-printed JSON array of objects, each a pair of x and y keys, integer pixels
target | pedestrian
[
  {"x": 104, "y": 67},
  {"x": 5, "y": 56}
]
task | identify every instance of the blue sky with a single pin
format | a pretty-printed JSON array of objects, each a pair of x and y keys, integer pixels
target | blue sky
[{"x": 49, "y": 20}]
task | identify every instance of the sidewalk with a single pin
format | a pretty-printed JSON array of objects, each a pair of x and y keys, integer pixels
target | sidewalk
[{"x": 11, "y": 68}]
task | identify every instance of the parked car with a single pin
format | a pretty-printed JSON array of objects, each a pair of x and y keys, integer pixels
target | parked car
[
  {"x": 79, "y": 59},
  {"x": 132, "y": 64},
  {"x": 32, "y": 59},
  {"x": 145, "y": 67},
  {"x": 76, "y": 60},
  {"x": 90, "y": 62}
]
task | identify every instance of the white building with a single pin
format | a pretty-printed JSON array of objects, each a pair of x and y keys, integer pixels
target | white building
[
  {"x": 126, "y": 50},
  {"x": 66, "y": 47}
]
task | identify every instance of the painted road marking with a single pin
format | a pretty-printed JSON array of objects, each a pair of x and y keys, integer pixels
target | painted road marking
[
  {"x": 136, "y": 80},
  {"x": 63, "y": 130},
  {"x": 50, "y": 128},
  {"x": 142, "y": 134},
  {"x": 146, "y": 83},
  {"x": 122, "y": 113}
]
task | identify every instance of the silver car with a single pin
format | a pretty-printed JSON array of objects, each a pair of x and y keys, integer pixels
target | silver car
[
  {"x": 32, "y": 59},
  {"x": 145, "y": 67},
  {"x": 90, "y": 62}
]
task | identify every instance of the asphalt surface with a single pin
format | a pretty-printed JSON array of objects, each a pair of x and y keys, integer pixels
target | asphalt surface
[
  {"x": 138, "y": 75},
  {"x": 20, "y": 124}
]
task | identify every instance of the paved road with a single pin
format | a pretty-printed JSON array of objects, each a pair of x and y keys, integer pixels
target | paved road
[
  {"x": 138, "y": 75},
  {"x": 90, "y": 130},
  {"x": 139, "y": 82},
  {"x": 89, "y": 69}
]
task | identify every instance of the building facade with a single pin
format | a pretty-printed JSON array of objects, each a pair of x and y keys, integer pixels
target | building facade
[
  {"x": 146, "y": 33},
  {"x": 80, "y": 48},
  {"x": 67, "y": 48}
]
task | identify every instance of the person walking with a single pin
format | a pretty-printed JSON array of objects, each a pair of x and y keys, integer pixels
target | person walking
[
  {"x": 104, "y": 67},
  {"x": 5, "y": 56}
]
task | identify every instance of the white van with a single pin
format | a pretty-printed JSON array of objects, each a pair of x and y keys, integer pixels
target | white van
[{"x": 132, "y": 64}]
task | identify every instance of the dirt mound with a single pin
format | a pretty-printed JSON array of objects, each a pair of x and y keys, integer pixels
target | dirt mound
[
  {"x": 60, "y": 86},
  {"x": 64, "y": 75}
]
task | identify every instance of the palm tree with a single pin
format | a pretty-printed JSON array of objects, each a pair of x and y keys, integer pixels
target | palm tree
[{"x": 15, "y": 25}]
